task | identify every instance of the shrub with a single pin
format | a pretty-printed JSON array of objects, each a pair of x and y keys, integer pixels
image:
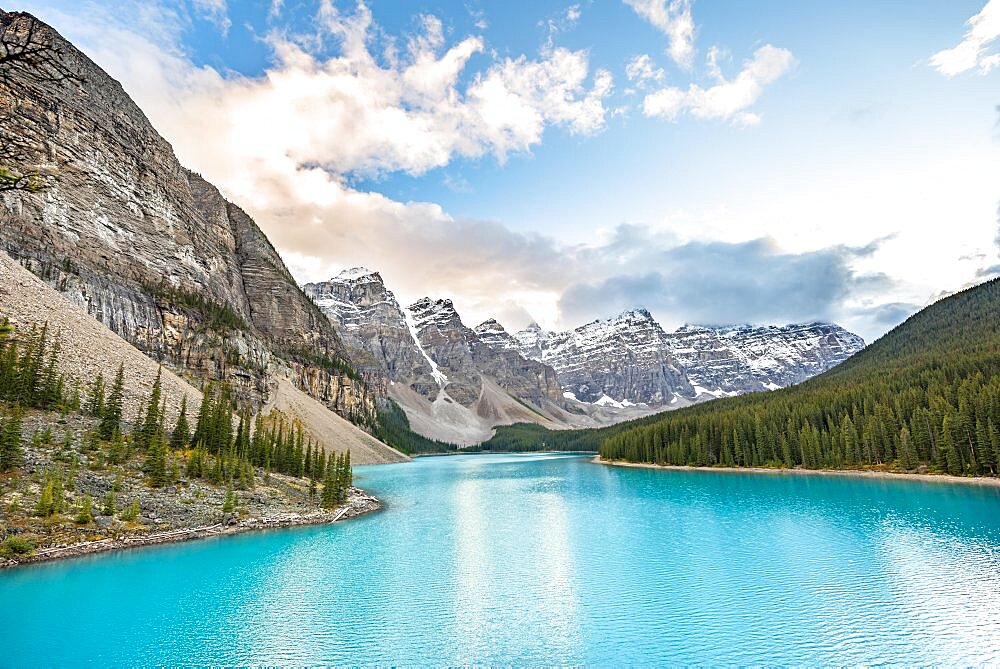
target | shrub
[{"x": 16, "y": 546}]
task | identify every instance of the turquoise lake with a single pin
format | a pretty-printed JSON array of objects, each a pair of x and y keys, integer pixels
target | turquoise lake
[{"x": 548, "y": 559}]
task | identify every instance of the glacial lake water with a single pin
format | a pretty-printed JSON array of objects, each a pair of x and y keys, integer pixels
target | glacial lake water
[{"x": 548, "y": 559}]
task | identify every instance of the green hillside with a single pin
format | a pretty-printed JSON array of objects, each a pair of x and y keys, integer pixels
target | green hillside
[{"x": 926, "y": 395}]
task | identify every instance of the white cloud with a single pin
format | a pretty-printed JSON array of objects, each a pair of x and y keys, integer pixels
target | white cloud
[
  {"x": 673, "y": 18},
  {"x": 974, "y": 51},
  {"x": 215, "y": 11},
  {"x": 355, "y": 115},
  {"x": 712, "y": 63},
  {"x": 727, "y": 99},
  {"x": 641, "y": 70},
  {"x": 573, "y": 13}
]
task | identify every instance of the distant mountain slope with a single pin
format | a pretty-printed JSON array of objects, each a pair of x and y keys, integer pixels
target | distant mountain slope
[
  {"x": 927, "y": 394},
  {"x": 622, "y": 360},
  {"x": 745, "y": 358},
  {"x": 149, "y": 248}
]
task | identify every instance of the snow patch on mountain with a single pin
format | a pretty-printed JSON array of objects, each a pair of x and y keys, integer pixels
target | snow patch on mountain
[{"x": 412, "y": 324}]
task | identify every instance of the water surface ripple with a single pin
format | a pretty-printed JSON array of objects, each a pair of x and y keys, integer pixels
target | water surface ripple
[{"x": 548, "y": 559}]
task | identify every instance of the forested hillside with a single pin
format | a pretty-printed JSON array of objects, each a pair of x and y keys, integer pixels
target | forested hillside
[{"x": 926, "y": 395}]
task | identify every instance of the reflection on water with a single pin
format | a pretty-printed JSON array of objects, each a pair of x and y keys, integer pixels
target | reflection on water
[
  {"x": 549, "y": 559},
  {"x": 472, "y": 594}
]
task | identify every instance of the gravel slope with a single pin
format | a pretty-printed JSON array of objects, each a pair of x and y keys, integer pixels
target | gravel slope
[
  {"x": 87, "y": 346},
  {"x": 329, "y": 429}
]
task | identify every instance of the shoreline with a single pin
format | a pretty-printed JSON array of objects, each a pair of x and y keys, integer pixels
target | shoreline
[
  {"x": 470, "y": 452},
  {"x": 981, "y": 481},
  {"x": 358, "y": 505}
]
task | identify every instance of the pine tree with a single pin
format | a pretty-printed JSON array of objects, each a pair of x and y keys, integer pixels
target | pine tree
[
  {"x": 75, "y": 400},
  {"x": 949, "y": 454},
  {"x": 196, "y": 463},
  {"x": 109, "y": 504},
  {"x": 30, "y": 368},
  {"x": 330, "y": 494},
  {"x": 58, "y": 496},
  {"x": 45, "y": 506},
  {"x": 117, "y": 449},
  {"x": 150, "y": 422},
  {"x": 155, "y": 465},
  {"x": 131, "y": 513},
  {"x": 994, "y": 436},
  {"x": 95, "y": 397},
  {"x": 907, "y": 456},
  {"x": 204, "y": 416},
  {"x": 218, "y": 473},
  {"x": 347, "y": 475},
  {"x": 11, "y": 452},
  {"x": 50, "y": 392},
  {"x": 229, "y": 501},
  {"x": 111, "y": 417}
]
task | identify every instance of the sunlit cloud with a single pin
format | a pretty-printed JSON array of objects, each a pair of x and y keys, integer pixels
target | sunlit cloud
[{"x": 977, "y": 48}]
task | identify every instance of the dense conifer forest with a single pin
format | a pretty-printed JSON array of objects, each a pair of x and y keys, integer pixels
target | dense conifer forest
[
  {"x": 393, "y": 428},
  {"x": 924, "y": 396}
]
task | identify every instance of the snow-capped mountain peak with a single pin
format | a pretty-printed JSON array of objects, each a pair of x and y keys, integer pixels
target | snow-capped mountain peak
[
  {"x": 357, "y": 274},
  {"x": 491, "y": 333},
  {"x": 427, "y": 311}
]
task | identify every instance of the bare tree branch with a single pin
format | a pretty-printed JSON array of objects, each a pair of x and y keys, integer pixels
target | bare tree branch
[
  {"x": 25, "y": 46},
  {"x": 27, "y": 52}
]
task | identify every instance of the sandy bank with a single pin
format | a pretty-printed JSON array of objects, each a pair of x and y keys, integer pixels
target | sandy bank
[{"x": 849, "y": 473}]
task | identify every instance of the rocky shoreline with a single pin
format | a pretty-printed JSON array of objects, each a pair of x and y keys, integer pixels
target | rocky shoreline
[
  {"x": 847, "y": 473},
  {"x": 358, "y": 504}
]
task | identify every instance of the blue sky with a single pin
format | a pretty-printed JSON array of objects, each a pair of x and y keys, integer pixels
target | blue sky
[{"x": 714, "y": 162}]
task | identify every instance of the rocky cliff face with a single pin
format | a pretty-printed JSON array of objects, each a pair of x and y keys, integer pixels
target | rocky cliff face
[
  {"x": 456, "y": 382},
  {"x": 790, "y": 354},
  {"x": 453, "y": 383},
  {"x": 372, "y": 323},
  {"x": 150, "y": 249},
  {"x": 465, "y": 358}
]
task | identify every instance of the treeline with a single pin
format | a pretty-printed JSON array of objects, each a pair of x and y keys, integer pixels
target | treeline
[
  {"x": 29, "y": 372},
  {"x": 925, "y": 395},
  {"x": 393, "y": 428},
  {"x": 213, "y": 450},
  {"x": 29, "y": 378},
  {"x": 523, "y": 437}
]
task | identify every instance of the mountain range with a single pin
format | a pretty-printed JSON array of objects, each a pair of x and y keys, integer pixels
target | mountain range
[{"x": 457, "y": 383}]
